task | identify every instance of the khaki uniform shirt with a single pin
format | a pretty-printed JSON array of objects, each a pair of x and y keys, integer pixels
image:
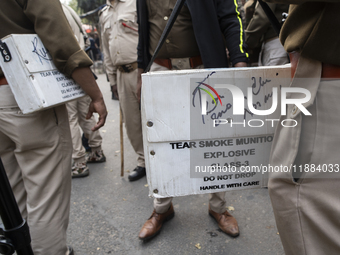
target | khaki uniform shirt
[
  {"x": 45, "y": 18},
  {"x": 119, "y": 32},
  {"x": 259, "y": 28},
  {"x": 76, "y": 25},
  {"x": 312, "y": 29},
  {"x": 249, "y": 8},
  {"x": 181, "y": 42}
]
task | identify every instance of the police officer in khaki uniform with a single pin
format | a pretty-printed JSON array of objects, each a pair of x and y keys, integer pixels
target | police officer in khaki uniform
[
  {"x": 119, "y": 30},
  {"x": 36, "y": 148},
  {"x": 306, "y": 200},
  {"x": 77, "y": 110},
  {"x": 190, "y": 44}
]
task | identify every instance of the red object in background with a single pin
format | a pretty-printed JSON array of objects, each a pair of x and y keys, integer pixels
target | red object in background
[{"x": 88, "y": 29}]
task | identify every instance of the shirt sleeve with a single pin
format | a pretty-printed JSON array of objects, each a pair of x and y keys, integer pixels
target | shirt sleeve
[
  {"x": 258, "y": 25},
  {"x": 143, "y": 55},
  {"x": 232, "y": 29},
  {"x": 111, "y": 70},
  {"x": 53, "y": 29}
]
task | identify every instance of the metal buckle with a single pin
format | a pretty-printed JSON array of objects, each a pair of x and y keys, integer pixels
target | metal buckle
[
  {"x": 127, "y": 68},
  {"x": 180, "y": 63}
]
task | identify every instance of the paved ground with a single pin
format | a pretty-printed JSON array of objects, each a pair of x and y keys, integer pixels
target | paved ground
[{"x": 107, "y": 211}]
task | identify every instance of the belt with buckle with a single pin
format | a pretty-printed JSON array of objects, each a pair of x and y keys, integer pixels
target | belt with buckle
[
  {"x": 3, "y": 81},
  {"x": 128, "y": 68},
  {"x": 328, "y": 70},
  {"x": 167, "y": 62}
]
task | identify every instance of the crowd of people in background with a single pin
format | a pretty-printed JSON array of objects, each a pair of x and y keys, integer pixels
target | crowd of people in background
[{"x": 95, "y": 51}]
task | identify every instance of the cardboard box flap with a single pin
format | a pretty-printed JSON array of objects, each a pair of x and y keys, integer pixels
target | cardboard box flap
[
  {"x": 32, "y": 53},
  {"x": 171, "y": 120}
]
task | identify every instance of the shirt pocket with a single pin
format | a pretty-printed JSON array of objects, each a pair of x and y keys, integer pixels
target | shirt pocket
[
  {"x": 106, "y": 27},
  {"x": 128, "y": 24}
]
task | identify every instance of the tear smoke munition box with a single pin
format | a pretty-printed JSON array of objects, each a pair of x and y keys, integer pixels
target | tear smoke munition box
[
  {"x": 34, "y": 79},
  {"x": 209, "y": 131}
]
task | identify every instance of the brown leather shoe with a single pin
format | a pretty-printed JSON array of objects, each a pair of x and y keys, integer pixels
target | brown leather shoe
[
  {"x": 154, "y": 224},
  {"x": 226, "y": 222}
]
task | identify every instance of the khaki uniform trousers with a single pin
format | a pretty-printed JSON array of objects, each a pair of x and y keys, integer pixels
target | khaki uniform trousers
[
  {"x": 77, "y": 111},
  {"x": 307, "y": 210},
  {"x": 127, "y": 91},
  {"x": 217, "y": 200},
  {"x": 36, "y": 151},
  {"x": 273, "y": 54}
]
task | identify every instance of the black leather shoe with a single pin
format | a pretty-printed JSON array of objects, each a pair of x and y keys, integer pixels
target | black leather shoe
[
  {"x": 70, "y": 250},
  {"x": 137, "y": 173},
  {"x": 113, "y": 96}
]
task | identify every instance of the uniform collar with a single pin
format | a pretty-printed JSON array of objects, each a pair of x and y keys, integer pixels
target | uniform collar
[{"x": 108, "y": 2}]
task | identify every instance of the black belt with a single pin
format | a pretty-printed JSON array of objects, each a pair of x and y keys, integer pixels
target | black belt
[{"x": 128, "y": 68}]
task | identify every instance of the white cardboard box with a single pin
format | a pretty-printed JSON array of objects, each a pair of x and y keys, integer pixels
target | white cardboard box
[
  {"x": 34, "y": 80},
  {"x": 178, "y": 138}
]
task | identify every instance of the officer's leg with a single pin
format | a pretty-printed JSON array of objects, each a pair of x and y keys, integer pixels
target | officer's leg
[
  {"x": 44, "y": 154},
  {"x": 78, "y": 153},
  {"x": 127, "y": 88},
  {"x": 217, "y": 202},
  {"x": 7, "y": 147}
]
